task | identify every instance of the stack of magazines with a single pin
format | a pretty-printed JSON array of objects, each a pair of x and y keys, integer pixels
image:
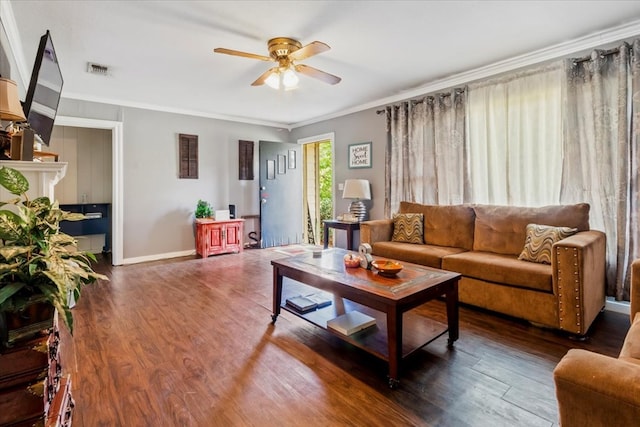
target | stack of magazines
[{"x": 307, "y": 303}]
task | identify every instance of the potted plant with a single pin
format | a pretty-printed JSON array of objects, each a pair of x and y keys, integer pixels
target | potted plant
[
  {"x": 203, "y": 209},
  {"x": 40, "y": 267}
]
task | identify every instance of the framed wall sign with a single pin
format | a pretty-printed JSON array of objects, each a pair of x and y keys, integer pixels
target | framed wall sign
[{"x": 360, "y": 155}]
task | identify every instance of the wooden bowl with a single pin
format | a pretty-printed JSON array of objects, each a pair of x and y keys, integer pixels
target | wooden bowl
[{"x": 387, "y": 267}]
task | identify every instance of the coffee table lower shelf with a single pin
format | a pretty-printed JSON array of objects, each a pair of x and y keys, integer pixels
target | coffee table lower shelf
[{"x": 419, "y": 330}]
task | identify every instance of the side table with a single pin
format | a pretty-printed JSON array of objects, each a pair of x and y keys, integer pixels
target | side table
[{"x": 350, "y": 227}]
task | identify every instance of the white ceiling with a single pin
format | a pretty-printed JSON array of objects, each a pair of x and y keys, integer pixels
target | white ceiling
[{"x": 160, "y": 53}]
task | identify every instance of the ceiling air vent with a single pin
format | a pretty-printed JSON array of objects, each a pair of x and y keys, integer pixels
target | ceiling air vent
[{"x": 94, "y": 68}]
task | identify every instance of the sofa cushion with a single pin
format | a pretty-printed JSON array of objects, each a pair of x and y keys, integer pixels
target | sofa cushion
[
  {"x": 631, "y": 346},
  {"x": 502, "y": 229},
  {"x": 450, "y": 226},
  {"x": 408, "y": 228},
  {"x": 502, "y": 269},
  {"x": 428, "y": 255},
  {"x": 540, "y": 240}
]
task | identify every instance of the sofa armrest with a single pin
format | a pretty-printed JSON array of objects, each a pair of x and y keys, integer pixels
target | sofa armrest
[
  {"x": 378, "y": 230},
  {"x": 597, "y": 390},
  {"x": 578, "y": 264}
]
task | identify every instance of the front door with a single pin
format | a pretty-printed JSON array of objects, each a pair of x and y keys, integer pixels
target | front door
[{"x": 281, "y": 219}]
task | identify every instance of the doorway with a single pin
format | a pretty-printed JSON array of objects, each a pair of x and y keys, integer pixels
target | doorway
[
  {"x": 117, "y": 189},
  {"x": 318, "y": 177}
]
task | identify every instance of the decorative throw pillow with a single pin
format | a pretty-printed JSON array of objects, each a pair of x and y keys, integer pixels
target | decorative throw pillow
[
  {"x": 540, "y": 240},
  {"x": 408, "y": 228}
]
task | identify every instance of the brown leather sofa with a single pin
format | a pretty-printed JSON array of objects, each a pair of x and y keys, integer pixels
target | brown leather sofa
[
  {"x": 597, "y": 390},
  {"x": 482, "y": 242}
]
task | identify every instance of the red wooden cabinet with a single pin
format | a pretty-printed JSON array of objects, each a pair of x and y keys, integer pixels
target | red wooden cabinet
[
  {"x": 33, "y": 390},
  {"x": 218, "y": 237}
]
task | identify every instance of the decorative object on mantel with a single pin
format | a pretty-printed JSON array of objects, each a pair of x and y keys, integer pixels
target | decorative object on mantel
[
  {"x": 39, "y": 265},
  {"x": 10, "y": 110},
  {"x": 357, "y": 189}
]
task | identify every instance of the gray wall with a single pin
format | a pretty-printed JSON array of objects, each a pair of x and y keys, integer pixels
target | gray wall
[
  {"x": 158, "y": 206},
  {"x": 358, "y": 127}
]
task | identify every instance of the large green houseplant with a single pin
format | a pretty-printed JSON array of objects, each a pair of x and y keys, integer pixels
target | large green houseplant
[{"x": 38, "y": 263}]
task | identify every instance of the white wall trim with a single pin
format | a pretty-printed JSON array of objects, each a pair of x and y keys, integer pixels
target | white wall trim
[
  {"x": 557, "y": 51},
  {"x": 617, "y": 306},
  {"x": 330, "y": 136},
  {"x": 117, "y": 146},
  {"x": 158, "y": 257},
  {"x": 15, "y": 43}
]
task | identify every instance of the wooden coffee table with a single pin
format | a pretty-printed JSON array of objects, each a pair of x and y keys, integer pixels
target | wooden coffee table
[{"x": 387, "y": 299}]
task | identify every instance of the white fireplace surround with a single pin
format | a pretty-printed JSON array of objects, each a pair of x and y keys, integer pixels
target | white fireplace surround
[{"x": 42, "y": 177}]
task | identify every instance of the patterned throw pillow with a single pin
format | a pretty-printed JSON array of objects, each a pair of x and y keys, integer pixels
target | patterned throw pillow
[
  {"x": 539, "y": 242},
  {"x": 408, "y": 228}
]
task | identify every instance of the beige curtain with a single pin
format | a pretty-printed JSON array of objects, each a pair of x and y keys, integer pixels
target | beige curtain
[
  {"x": 600, "y": 164},
  {"x": 425, "y": 158},
  {"x": 515, "y": 137}
]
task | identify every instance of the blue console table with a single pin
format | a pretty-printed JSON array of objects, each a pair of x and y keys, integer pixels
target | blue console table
[{"x": 98, "y": 221}]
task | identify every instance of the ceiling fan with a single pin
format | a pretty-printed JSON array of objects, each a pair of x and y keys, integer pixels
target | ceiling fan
[{"x": 287, "y": 52}]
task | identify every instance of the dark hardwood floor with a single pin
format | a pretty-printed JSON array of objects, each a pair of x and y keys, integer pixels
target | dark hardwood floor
[{"x": 189, "y": 342}]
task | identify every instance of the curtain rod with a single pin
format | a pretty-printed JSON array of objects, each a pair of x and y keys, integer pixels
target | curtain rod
[
  {"x": 602, "y": 54},
  {"x": 421, "y": 100}
]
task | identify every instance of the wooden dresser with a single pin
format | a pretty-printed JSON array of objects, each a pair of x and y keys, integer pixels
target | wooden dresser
[
  {"x": 33, "y": 390},
  {"x": 218, "y": 237}
]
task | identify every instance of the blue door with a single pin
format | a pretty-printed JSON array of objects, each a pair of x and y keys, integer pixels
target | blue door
[{"x": 281, "y": 219}]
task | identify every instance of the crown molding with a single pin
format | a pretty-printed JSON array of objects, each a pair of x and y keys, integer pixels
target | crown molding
[
  {"x": 557, "y": 51},
  {"x": 166, "y": 109}
]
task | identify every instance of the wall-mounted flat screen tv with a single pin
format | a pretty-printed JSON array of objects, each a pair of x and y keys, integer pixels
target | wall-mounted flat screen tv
[{"x": 45, "y": 87}]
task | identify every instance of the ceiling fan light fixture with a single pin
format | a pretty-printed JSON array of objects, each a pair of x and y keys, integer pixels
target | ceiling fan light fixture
[
  {"x": 273, "y": 81},
  {"x": 289, "y": 79}
]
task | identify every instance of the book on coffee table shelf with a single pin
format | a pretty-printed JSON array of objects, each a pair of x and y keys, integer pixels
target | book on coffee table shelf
[
  {"x": 351, "y": 322},
  {"x": 307, "y": 303}
]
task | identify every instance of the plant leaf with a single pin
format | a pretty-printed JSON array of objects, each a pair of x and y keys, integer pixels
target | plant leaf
[
  {"x": 10, "y": 225},
  {"x": 13, "y": 181},
  {"x": 10, "y": 252},
  {"x": 9, "y": 290}
]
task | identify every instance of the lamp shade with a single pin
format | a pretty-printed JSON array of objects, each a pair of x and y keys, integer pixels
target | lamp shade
[
  {"x": 356, "y": 189},
  {"x": 10, "y": 108}
]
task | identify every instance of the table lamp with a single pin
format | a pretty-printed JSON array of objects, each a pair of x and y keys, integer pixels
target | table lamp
[
  {"x": 10, "y": 109},
  {"x": 357, "y": 189}
]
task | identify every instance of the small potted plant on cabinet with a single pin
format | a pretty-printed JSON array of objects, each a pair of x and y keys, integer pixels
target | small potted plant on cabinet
[
  {"x": 203, "y": 209},
  {"x": 40, "y": 267}
]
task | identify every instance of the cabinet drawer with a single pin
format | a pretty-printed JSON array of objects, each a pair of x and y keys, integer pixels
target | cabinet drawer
[
  {"x": 25, "y": 402},
  {"x": 29, "y": 361}
]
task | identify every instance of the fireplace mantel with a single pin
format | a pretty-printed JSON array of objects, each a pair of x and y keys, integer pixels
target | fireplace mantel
[{"x": 42, "y": 177}]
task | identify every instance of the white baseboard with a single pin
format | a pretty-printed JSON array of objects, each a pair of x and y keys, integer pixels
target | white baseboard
[
  {"x": 158, "y": 257},
  {"x": 617, "y": 306}
]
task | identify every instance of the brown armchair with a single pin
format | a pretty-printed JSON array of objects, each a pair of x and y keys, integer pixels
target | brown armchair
[{"x": 597, "y": 390}]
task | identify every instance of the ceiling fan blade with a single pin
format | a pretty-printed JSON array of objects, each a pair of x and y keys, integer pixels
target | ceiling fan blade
[
  {"x": 264, "y": 76},
  {"x": 311, "y": 49},
  {"x": 244, "y": 54},
  {"x": 317, "y": 74}
]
